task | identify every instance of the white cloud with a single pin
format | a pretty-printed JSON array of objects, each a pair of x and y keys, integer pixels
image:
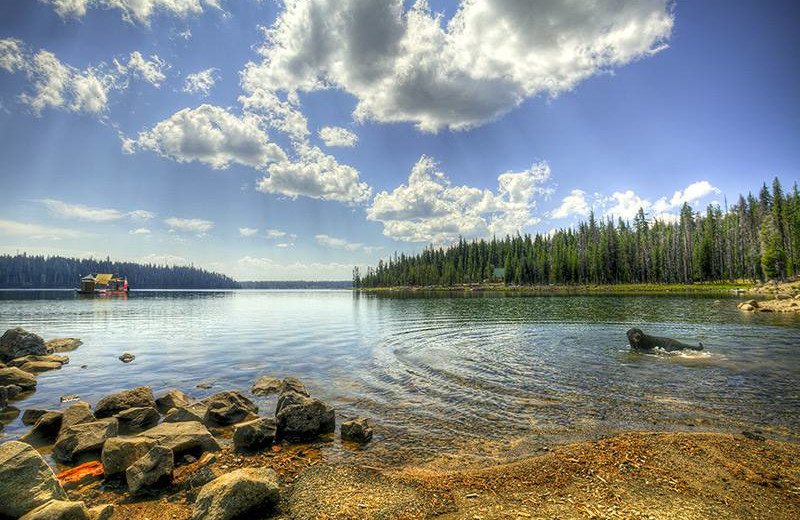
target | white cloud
[
  {"x": 430, "y": 209},
  {"x": 317, "y": 175},
  {"x": 255, "y": 268},
  {"x": 194, "y": 225},
  {"x": 139, "y": 231},
  {"x": 275, "y": 233},
  {"x": 200, "y": 82},
  {"x": 573, "y": 204},
  {"x": 164, "y": 259},
  {"x": 36, "y": 231},
  {"x": 213, "y": 136},
  {"x": 340, "y": 243},
  {"x": 140, "y": 214},
  {"x": 693, "y": 193},
  {"x": 151, "y": 70},
  {"x": 626, "y": 204},
  {"x": 247, "y": 231},
  {"x": 63, "y": 209},
  {"x": 285, "y": 244},
  {"x": 408, "y": 66},
  {"x": 133, "y": 10},
  {"x": 12, "y": 57},
  {"x": 337, "y": 136}
]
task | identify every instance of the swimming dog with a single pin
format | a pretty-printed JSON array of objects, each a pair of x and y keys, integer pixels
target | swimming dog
[{"x": 641, "y": 341}]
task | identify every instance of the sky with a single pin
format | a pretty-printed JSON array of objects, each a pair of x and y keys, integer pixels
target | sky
[{"x": 294, "y": 140}]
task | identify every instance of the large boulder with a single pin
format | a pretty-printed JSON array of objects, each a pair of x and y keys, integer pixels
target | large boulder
[
  {"x": 357, "y": 430},
  {"x": 110, "y": 405},
  {"x": 83, "y": 438},
  {"x": 172, "y": 399},
  {"x": 45, "y": 429},
  {"x": 26, "y": 481},
  {"x": 31, "y": 415},
  {"x": 37, "y": 367},
  {"x": 305, "y": 420},
  {"x": 236, "y": 493},
  {"x": 253, "y": 435},
  {"x": 62, "y": 345},
  {"x": 287, "y": 399},
  {"x": 183, "y": 437},
  {"x": 152, "y": 471},
  {"x": 229, "y": 407},
  {"x": 77, "y": 413},
  {"x": 120, "y": 452},
  {"x": 136, "y": 420},
  {"x": 193, "y": 412},
  {"x": 58, "y": 510},
  {"x": 20, "y": 378},
  {"x": 19, "y": 342}
]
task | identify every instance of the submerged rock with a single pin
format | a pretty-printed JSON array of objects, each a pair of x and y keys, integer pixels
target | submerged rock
[
  {"x": 127, "y": 357},
  {"x": 19, "y": 342},
  {"x": 255, "y": 434},
  {"x": 26, "y": 481},
  {"x": 265, "y": 386},
  {"x": 229, "y": 407},
  {"x": 291, "y": 384},
  {"x": 305, "y": 419},
  {"x": 136, "y": 420},
  {"x": 62, "y": 345},
  {"x": 141, "y": 396},
  {"x": 15, "y": 376},
  {"x": 234, "y": 494},
  {"x": 172, "y": 399},
  {"x": 58, "y": 510},
  {"x": 36, "y": 367},
  {"x": 152, "y": 471},
  {"x": 51, "y": 358},
  {"x": 120, "y": 452},
  {"x": 183, "y": 437},
  {"x": 357, "y": 430},
  {"x": 83, "y": 438}
]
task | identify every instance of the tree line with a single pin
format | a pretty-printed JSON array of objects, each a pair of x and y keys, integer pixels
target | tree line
[
  {"x": 758, "y": 238},
  {"x": 57, "y": 272}
]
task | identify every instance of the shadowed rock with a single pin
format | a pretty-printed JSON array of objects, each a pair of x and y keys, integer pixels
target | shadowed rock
[
  {"x": 26, "y": 481},
  {"x": 45, "y": 429},
  {"x": 120, "y": 452},
  {"x": 172, "y": 399},
  {"x": 253, "y": 435},
  {"x": 135, "y": 420},
  {"x": 193, "y": 412},
  {"x": 152, "y": 471},
  {"x": 15, "y": 376},
  {"x": 357, "y": 430},
  {"x": 138, "y": 397},
  {"x": 305, "y": 420},
  {"x": 229, "y": 407},
  {"x": 18, "y": 342},
  {"x": 31, "y": 415},
  {"x": 83, "y": 438}
]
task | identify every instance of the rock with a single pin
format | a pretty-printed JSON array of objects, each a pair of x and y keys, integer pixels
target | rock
[
  {"x": 288, "y": 398},
  {"x": 753, "y": 303},
  {"x": 204, "y": 386},
  {"x": 201, "y": 477},
  {"x": 229, "y": 407},
  {"x": 290, "y": 384},
  {"x": 754, "y": 435},
  {"x": 746, "y": 307},
  {"x": 141, "y": 396},
  {"x": 83, "y": 438},
  {"x": 153, "y": 470},
  {"x": 15, "y": 376},
  {"x": 253, "y": 435},
  {"x": 77, "y": 413},
  {"x": 183, "y": 437},
  {"x": 193, "y": 412},
  {"x": 81, "y": 475},
  {"x": 127, "y": 357},
  {"x": 783, "y": 296},
  {"x": 305, "y": 420},
  {"x": 52, "y": 358},
  {"x": 26, "y": 481},
  {"x": 172, "y": 399},
  {"x": 120, "y": 452},
  {"x": 45, "y": 429},
  {"x": 19, "y": 342},
  {"x": 101, "y": 512},
  {"x": 357, "y": 430},
  {"x": 70, "y": 397},
  {"x": 136, "y": 420},
  {"x": 62, "y": 345},
  {"x": 58, "y": 510},
  {"x": 236, "y": 493},
  {"x": 265, "y": 386},
  {"x": 12, "y": 390},
  {"x": 36, "y": 367},
  {"x": 3, "y": 397},
  {"x": 31, "y": 415}
]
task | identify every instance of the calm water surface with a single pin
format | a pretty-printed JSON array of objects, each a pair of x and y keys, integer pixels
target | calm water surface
[{"x": 434, "y": 371}]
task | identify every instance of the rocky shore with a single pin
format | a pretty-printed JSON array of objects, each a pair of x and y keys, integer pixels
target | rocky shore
[
  {"x": 775, "y": 297},
  {"x": 136, "y": 455}
]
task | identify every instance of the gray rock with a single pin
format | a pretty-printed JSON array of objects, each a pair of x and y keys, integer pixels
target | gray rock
[
  {"x": 101, "y": 512},
  {"x": 172, "y": 399},
  {"x": 305, "y": 420},
  {"x": 45, "y": 429},
  {"x": 237, "y": 493},
  {"x": 291, "y": 384},
  {"x": 3, "y": 397},
  {"x": 26, "y": 481},
  {"x": 229, "y": 407},
  {"x": 136, "y": 420},
  {"x": 19, "y": 342},
  {"x": 152, "y": 471},
  {"x": 193, "y": 412},
  {"x": 31, "y": 415},
  {"x": 58, "y": 510},
  {"x": 141, "y": 396},
  {"x": 83, "y": 438},
  {"x": 287, "y": 399},
  {"x": 12, "y": 390},
  {"x": 120, "y": 452},
  {"x": 62, "y": 345},
  {"x": 357, "y": 430},
  {"x": 77, "y": 413},
  {"x": 15, "y": 376},
  {"x": 253, "y": 435},
  {"x": 265, "y": 386},
  {"x": 183, "y": 437}
]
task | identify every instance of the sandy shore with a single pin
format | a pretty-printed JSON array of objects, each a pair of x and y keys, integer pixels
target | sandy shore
[{"x": 632, "y": 475}]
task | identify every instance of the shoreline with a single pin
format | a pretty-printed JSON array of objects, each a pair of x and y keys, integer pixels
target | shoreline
[{"x": 632, "y": 288}]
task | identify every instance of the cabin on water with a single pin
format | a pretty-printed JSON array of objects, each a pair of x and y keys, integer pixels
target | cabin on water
[{"x": 103, "y": 284}]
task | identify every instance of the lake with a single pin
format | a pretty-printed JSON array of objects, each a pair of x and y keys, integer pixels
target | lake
[{"x": 436, "y": 372}]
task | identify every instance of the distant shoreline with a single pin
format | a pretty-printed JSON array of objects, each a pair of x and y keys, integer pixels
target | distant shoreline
[{"x": 632, "y": 288}]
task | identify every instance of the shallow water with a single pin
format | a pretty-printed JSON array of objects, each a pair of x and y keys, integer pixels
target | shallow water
[{"x": 430, "y": 370}]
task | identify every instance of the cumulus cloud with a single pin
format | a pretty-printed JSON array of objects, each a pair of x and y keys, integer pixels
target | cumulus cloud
[
  {"x": 317, "y": 175},
  {"x": 257, "y": 268},
  {"x": 201, "y": 82},
  {"x": 193, "y": 225},
  {"x": 573, "y": 204},
  {"x": 213, "y": 136},
  {"x": 340, "y": 243},
  {"x": 12, "y": 56},
  {"x": 337, "y": 136},
  {"x": 150, "y": 70},
  {"x": 139, "y": 231},
  {"x": 409, "y": 66},
  {"x": 430, "y": 209},
  {"x": 36, "y": 231},
  {"x": 66, "y": 210},
  {"x": 626, "y": 204},
  {"x": 273, "y": 234},
  {"x": 133, "y": 10},
  {"x": 247, "y": 231}
]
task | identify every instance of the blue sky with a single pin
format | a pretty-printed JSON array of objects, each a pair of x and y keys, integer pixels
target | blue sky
[{"x": 294, "y": 140}]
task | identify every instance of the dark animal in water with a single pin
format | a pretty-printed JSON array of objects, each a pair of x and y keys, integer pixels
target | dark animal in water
[{"x": 641, "y": 341}]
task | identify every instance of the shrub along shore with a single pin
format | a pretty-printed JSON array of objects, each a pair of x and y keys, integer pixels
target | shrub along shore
[{"x": 135, "y": 455}]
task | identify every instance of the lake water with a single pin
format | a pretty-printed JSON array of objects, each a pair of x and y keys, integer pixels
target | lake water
[{"x": 436, "y": 372}]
